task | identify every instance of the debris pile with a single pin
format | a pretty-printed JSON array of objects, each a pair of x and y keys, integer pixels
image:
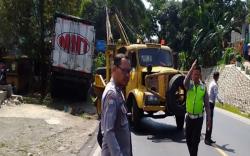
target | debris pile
[{"x": 13, "y": 100}]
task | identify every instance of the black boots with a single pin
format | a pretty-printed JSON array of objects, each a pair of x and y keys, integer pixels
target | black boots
[{"x": 209, "y": 141}]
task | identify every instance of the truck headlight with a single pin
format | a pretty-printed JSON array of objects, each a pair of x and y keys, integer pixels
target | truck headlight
[{"x": 151, "y": 99}]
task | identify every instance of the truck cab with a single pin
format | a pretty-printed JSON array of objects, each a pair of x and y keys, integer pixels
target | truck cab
[{"x": 155, "y": 88}]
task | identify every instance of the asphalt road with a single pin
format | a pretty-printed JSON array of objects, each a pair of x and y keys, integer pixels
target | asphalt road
[
  {"x": 159, "y": 137},
  {"x": 232, "y": 135}
]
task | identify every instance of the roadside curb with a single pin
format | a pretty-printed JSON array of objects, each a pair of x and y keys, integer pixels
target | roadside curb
[
  {"x": 233, "y": 115},
  {"x": 89, "y": 146},
  {"x": 97, "y": 151}
]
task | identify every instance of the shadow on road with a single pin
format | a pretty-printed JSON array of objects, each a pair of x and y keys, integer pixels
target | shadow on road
[
  {"x": 222, "y": 147},
  {"x": 225, "y": 148},
  {"x": 160, "y": 132}
]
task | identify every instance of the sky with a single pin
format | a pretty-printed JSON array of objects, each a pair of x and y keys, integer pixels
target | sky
[{"x": 146, "y": 3}]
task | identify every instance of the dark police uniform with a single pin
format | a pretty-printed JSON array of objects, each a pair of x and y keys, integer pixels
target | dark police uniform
[{"x": 114, "y": 123}]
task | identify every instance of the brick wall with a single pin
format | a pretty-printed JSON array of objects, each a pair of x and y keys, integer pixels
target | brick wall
[{"x": 234, "y": 86}]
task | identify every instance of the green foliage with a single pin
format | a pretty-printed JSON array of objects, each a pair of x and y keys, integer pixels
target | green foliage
[
  {"x": 37, "y": 99},
  {"x": 132, "y": 13},
  {"x": 231, "y": 57},
  {"x": 242, "y": 67},
  {"x": 84, "y": 6},
  {"x": 221, "y": 62},
  {"x": 200, "y": 28},
  {"x": 228, "y": 55},
  {"x": 197, "y": 29},
  {"x": 15, "y": 24},
  {"x": 247, "y": 69},
  {"x": 27, "y": 26},
  {"x": 248, "y": 9},
  {"x": 167, "y": 14},
  {"x": 99, "y": 60},
  {"x": 3, "y": 145},
  {"x": 239, "y": 58},
  {"x": 233, "y": 109},
  {"x": 182, "y": 58},
  {"x": 87, "y": 116}
]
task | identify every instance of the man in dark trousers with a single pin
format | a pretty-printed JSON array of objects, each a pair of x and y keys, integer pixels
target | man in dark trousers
[
  {"x": 213, "y": 95},
  {"x": 114, "y": 123},
  {"x": 197, "y": 98}
]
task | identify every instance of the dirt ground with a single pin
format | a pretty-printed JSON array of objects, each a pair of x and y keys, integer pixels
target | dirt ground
[{"x": 32, "y": 130}]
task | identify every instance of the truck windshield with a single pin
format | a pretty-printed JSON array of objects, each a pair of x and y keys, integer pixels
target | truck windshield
[{"x": 155, "y": 57}]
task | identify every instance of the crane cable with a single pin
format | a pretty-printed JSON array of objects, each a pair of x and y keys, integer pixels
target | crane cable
[
  {"x": 122, "y": 30},
  {"x": 131, "y": 29},
  {"x": 109, "y": 34}
]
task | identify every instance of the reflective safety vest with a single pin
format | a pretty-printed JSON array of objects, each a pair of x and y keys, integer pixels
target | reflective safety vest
[{"x": 195, "y": 99}]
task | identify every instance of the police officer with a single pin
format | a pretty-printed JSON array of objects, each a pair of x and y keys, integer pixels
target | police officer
[
  {"x": 197, "y": 98},
  {"x": 114, "y": 123}
]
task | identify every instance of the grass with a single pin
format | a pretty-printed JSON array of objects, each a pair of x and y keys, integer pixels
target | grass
[
  {"x": 221, "y": 62},
  {"x": 233, "y": 109},
  {"x": 88, "y": 116},
  {"x": 31, "y": 100},
  {"x": 36, "y": 99},
  {"x": 2, "y": 145}
]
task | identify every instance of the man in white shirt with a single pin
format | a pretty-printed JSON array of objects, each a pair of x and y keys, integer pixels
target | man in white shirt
[{"x": 213, "y": 95}]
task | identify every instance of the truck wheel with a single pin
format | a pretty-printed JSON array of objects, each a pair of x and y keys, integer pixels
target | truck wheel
[
  {"x": 53, "y": 88},
  {"x": 180, "y": 122},
  {"x": 137, "y": 114},
  {"x": 176, "y": 96},
  {"x": 83, "y": 91}
]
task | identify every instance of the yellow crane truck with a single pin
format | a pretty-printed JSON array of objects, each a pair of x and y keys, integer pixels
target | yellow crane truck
[{"x": 155, "y": 88}]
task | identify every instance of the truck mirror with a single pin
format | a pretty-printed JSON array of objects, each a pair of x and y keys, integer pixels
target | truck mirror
[{"x": 175, "y": 59}]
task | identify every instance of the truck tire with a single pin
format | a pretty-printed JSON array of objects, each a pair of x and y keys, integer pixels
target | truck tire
[
  {"x": 53, "y": 88},
  {"x": 84, "y": 94},
  {"x": 176, "y": 96},
  {"x": 137, "y": 114}
]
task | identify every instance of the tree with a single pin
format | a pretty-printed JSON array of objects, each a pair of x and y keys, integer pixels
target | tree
[
  {"x": 248, "y": 9},
  {"x": 133, "y": 16},
  {"x": 27, "y": 27},
  {"x": 199, "y": 28},
  {"x": 170, "y": 22},
  {"x": 216, "y": 20},
  {"x": 15, "y": 24}
]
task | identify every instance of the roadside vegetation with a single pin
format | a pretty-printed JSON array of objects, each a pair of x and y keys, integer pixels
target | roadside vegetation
[
  {"x": 194, "y": 29},
  {"x": 233, "y": 109},
  {"x": 99, "y": 60},
  {"x": 36, "y": 99}
]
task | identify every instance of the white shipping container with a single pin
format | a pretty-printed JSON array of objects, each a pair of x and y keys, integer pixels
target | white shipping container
[{"x": 73, "y": 45}]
